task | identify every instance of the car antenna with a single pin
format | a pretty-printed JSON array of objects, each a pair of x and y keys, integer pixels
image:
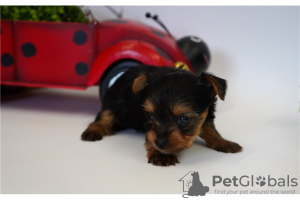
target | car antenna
[
  {"x": 88, "y": 13},
  {"x": 155, "y": 18},
  {"x": 119, "y": 15}
]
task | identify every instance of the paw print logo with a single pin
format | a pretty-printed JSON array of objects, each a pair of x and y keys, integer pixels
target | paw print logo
[{"x": 261, "y": 181}]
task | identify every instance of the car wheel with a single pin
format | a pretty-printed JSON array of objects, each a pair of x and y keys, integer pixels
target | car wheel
[{"x": 113, "y": 73}]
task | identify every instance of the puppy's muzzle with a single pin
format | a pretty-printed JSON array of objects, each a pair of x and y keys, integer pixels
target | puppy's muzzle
[{"x": 161, "y": 144}]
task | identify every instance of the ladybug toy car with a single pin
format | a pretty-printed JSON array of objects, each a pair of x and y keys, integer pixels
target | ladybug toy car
[{"x": 80, "y": 55}]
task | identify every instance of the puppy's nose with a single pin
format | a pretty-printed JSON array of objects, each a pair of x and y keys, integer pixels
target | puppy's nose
[{"x": 161, "y": 144}]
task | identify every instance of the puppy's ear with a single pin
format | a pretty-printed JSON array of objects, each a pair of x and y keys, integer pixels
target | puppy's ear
[
  {"x": 139, "y": 83},
  {"x": 219, "y": 84}
]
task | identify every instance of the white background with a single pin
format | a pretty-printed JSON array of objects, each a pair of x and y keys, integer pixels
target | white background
[{"x": 255, "y": 48}]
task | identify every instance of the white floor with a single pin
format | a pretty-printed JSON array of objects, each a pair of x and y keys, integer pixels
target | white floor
[{"x": 42, "y": 151}]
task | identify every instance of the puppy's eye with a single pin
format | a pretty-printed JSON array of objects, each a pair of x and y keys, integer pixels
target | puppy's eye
[{"x": 183, "y": 120}]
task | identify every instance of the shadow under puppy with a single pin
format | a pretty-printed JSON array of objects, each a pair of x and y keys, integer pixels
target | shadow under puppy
[{"x": 173, "y": 106}]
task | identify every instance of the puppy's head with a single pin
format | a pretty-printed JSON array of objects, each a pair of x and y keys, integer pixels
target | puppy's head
[{"x": 177, "y": 105}]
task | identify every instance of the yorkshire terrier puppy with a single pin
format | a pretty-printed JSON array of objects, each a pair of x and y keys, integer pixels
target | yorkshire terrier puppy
[{"x": 172, "y": 106}]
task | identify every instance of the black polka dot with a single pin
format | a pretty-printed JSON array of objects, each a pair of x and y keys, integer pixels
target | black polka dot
[
  {"x": 162, "y": 53},
  {"x": 119, "y": 21},
  {"x": 28, "y": 49},
  {"x": 7, "y": 60},
  {"x": 158, "y": 33},
  {"x": 79, "y": 37},
  {"x": 81, "y": 68}
]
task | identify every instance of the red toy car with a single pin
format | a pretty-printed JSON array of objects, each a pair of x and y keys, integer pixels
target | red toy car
[{"x": 79, "y": 55}]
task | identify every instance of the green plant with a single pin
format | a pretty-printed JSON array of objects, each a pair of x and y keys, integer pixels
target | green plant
[{"x": 44, "y": 13}]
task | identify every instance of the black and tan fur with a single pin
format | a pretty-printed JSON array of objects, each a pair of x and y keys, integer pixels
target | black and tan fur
[{"x": 172, "y": 106}]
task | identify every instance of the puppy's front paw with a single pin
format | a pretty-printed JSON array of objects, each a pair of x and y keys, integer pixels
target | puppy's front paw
[
  {"x": 160, "y": 159},
  {"x": 95, "y": 131},
  {"x": 227, "y": 147},
  {"x": 90, "y": 136}
]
